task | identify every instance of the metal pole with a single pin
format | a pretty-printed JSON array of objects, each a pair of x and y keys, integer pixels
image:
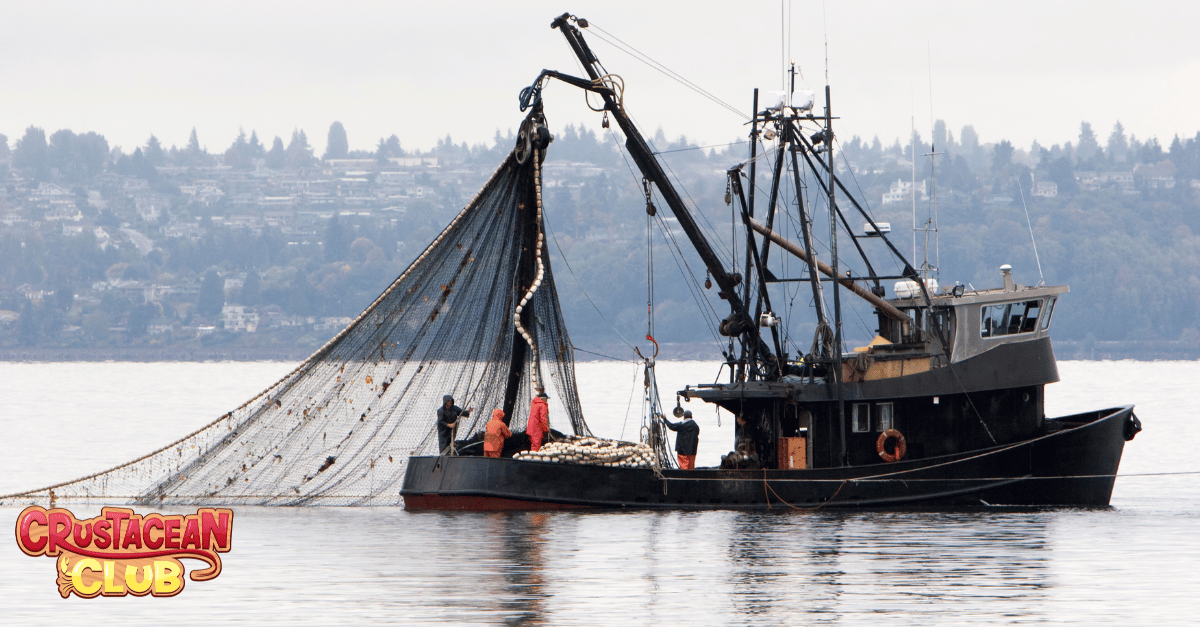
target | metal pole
[
  {"x": 883, "y": 306},
  {"x": 837, "y": 294},
  {"x": 749, "y": 349},
  {"x": 806, "y": 233}
]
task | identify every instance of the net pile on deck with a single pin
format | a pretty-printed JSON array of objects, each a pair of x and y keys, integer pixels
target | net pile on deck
[
  {"x": 338, "y": 429},
  {"x": 593, "y": 451}
]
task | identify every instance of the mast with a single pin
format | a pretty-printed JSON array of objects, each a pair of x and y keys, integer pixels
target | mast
[
  {"x": 749, "y": 207},
  {"x": 836, "y": 366},
  {"x": 912, "y": 142},
  {"x": 814, "y": 278}
]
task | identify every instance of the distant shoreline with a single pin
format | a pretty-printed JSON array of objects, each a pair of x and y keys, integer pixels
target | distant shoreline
[{"x": 1064, "y": 350}]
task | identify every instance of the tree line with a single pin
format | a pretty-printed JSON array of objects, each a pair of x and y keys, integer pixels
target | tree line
[{"x": 1130, "y": 258}]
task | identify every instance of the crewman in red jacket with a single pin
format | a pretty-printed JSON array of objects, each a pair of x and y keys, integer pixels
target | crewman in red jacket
[
  {"x": 539, "y": 421},
  {"x": 497, "y": 432}
]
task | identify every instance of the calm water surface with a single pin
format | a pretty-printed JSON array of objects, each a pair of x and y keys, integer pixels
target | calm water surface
[{"x": 1132, "y": 564}]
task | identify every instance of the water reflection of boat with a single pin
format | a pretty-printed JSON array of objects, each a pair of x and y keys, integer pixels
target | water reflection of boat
[{"x": 945, "y": 406}]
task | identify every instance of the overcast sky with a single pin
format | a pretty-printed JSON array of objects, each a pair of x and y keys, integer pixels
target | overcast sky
[{"x": 1016, "y": 70}]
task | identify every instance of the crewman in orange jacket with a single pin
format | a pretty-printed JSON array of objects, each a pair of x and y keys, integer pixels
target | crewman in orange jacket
[
  {"x": 539, "y": 421},
  {"x": 497, "y": 432}
]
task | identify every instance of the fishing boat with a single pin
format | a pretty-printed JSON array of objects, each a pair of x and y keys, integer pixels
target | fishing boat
[{"x": 944, "y": 407}]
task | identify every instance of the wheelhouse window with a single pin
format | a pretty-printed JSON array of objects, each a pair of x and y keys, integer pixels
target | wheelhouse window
[
  {"x": 1049, "y": 312},
  {"x": 883, "y": 416},
  {"x": 1009, "y": 318},
  {"x": 860, "y": 414}
]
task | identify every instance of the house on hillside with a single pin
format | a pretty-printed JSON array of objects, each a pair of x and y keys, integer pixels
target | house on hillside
[
  {"x": 1158, "y": 176},
  {"x": 1121, "y": 180},
  {"x": 236, "y": 318},
  {"x": 204, "y": 192},
  {"x": 13, "y": 218},
  {"x": 50, "y": 191},
  {"x": 413, "y": 162},
  {"x": 189, "y": 230},
  {"x": 1045, "y": 189},
  {"x": 151, "y": 206},
  {"x": 902, "y": 191},
  {"x": 63, "y": 213},
  {"x": 50, "y": 196}
]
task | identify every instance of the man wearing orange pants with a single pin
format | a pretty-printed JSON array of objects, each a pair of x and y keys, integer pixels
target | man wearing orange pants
[
  {"x": 539, "y": 421},
  {"x": 497, "y": 432},
  {"x": 687, "y": 441}
]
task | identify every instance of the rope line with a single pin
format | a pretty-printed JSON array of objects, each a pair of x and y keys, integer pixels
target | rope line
[
  {"x": 586, "y": 295},
  {"x": 644, "y": 58},
  {"x": 664, "y": 152},
  {"x": 628, "y": 361}
]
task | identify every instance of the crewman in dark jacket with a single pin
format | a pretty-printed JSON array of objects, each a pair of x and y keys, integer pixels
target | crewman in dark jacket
[
  {"x": 687, "y": 440},
  {"x": 447, "y": 419}
]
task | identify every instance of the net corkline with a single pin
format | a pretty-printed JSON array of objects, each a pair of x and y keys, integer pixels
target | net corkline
[{"x": 339, "y": 428}]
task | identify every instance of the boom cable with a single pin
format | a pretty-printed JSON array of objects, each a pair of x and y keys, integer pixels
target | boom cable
[
  {"x": 571, "y": 270},
  {"x": 645, "y": 58}
]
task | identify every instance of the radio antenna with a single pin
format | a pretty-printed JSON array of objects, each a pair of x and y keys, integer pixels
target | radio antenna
[
  {"x": 933, "y": 153},
  {"x": 825, "y": 28}
]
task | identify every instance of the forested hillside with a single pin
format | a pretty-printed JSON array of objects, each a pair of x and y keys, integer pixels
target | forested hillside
[{"x": 270, "y": 250}]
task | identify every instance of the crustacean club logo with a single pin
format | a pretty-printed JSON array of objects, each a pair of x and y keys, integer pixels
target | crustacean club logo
[{"x": 120, "y": 552}]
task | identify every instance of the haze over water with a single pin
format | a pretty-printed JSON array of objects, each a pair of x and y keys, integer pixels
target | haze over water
[{"x": 1131, "y": 564}]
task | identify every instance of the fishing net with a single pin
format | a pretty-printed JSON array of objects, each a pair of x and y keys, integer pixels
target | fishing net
[{"x": 476, "y": 316}]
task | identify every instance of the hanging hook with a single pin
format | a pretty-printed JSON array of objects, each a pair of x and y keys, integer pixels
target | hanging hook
[{"x": 639, "y": 353}]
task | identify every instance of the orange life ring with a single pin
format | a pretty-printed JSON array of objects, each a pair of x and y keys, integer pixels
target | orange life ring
[{"x": 901, "y": 446}]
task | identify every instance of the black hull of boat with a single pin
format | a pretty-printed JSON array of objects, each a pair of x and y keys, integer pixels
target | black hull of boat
[{"x": 1072, "y": 467}]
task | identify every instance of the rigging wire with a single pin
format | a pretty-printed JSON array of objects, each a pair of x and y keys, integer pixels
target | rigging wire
[
  {"x": 690, "y": 279},
  {"x": 646, "y": 59},
  {"x": 1041, "y": 277},
  {"x": 576, "y": 348},
  {"x": 865, "y": 327},
  {"x": 708, "y": 226},
  {"x": 737, "y": 143},
  {"x": 629, "y": 405},
  {"x": 571, "y": 270},
  {"x": 765, "y": 155},
  {"x": 791, "y": 220},
  {"x": 716, "y": 241},
  {"x": 681, "y": 263}
]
